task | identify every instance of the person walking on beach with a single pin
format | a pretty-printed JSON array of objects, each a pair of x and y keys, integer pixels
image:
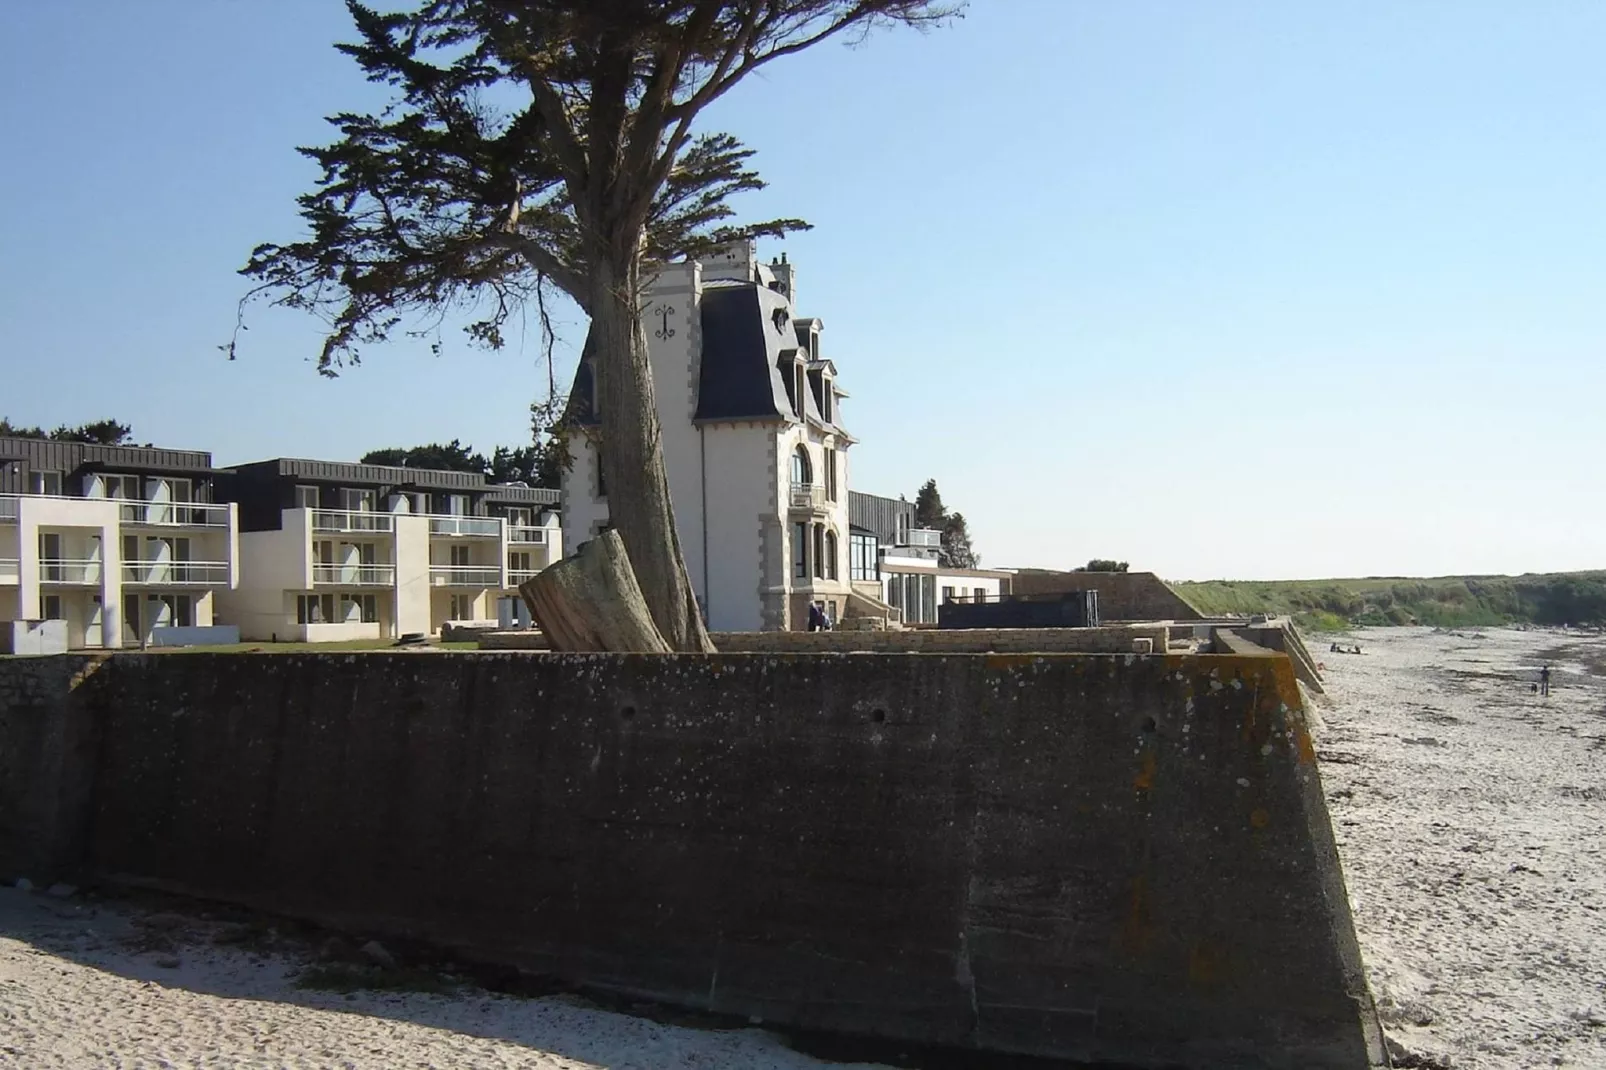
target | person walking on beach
[{"x": 1544, "y": 681}]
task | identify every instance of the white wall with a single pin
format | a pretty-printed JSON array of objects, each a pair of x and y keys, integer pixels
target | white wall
[
  {"x": 741, "y": 503},
  {"x": 77, "y": 519},
  {"x": 273, "y": 566},
  {"x": 412, "y": 575}
]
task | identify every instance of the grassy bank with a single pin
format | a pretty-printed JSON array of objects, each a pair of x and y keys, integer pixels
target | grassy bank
[{"x": 1446, "y": 602}]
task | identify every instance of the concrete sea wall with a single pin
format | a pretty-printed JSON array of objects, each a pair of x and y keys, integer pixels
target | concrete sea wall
[{"x": 1084, "y": 856}]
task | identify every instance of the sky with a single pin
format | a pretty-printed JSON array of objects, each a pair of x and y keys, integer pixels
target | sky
[{"x": 1227, "y": 290}]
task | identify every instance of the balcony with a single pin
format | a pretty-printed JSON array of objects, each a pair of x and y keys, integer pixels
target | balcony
[
  {"x": 8, "y": 507},
  {"x": 176, "y": 573},
  {"x": 354, "y": 575},
  {"x": 340, "y": 522},
  {"x": 465, "y": 525},
  {"x": 174, "y": 514},
  {"x": 10, "y": 570},
  {"x": 475, "y": 576},
  {"x": 525, "y": 534},
  {"x": 515, "y": 576},
  {"x": 809, "y": 498},
  {"x": 924, "y": 538},
  {"x": 69, "y": 571}
]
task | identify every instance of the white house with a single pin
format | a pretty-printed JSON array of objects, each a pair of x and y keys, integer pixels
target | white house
[
  {"x": 753, "y": 442},
  {"x": 903, "y": 561},
  {"x": 115, "y": 541},
  {"x": 336, "y": 551}
]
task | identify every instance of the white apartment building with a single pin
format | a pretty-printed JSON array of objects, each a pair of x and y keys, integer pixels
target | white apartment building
[
  {"x": 753, "y": 442},
  {"x": 115, "y": 541},
  {"x": 336, "y": 551}
]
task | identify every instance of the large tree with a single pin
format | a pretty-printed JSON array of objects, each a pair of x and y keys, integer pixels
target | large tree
[
  {"x": 930, "y": 512},
  {"x": 98, "y": 432},
  {"x": 539, "y": 142}
]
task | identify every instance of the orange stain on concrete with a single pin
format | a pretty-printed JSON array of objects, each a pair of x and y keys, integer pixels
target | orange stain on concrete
[
  {"x": 1307, "y": 749},
  {"x": 1145, "y": 776},
  {"x": 1259, "y": 818}
]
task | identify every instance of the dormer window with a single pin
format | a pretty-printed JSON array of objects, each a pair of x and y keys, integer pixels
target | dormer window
[
  {"x": 827, "y": 399},
  {"x": 800, "y": 387},
  {"x": 781, "y": 319}
]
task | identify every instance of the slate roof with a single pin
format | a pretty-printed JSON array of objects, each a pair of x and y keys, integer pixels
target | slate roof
[{"x": 744, "y": 346}]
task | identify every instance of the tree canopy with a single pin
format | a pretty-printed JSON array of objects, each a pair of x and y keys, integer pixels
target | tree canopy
[
  {"x": 1102, "y": 564},
  {"x": 956, "y": 551},
  {"x": 99, "y": 432},
  {"x": 531, "y": 465}
]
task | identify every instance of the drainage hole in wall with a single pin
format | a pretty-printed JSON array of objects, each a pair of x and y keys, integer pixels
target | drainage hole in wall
[
  {"x": 878, "y": 715},
  {"x": 628, "y": 712},
  {"x": 1149, "y": 725}
]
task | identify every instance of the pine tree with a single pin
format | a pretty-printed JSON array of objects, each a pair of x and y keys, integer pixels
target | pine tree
[{"x": 445, "y": 200}]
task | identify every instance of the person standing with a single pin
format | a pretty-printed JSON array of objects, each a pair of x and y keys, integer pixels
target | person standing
[
  {"x": 1544, "y": 681},
  {"x": 816, "y": 617}
]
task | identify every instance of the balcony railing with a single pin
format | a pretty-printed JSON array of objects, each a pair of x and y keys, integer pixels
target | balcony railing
[
  {"x": 343, "y": 521},
  {"x": 65, "y": 570},
  {"x": 10, "y": 569},
  {"x": 176, "y": 573},
  {"x": 354, "y": 575},
  {"x": 808, "y": 496},
  {"x": 516, "y": 576},
  {"x": 925, "y": 538},
  {"x": 175, "y": 514},
  {"x": 465, "y": 525},
  {"x": 8, "y": 508},
  {"x": 465, "y": 575},
  {"x": 524, "y": 533}
]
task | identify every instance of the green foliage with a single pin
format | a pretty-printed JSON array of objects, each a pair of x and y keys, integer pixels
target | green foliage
[
  {"x": 521, "y": 464},
  {"x": 99, "y": 432},
  {"x": 1103, "y": 564},
  {"x": 956, "y": 550},
  {"x": 1445, "y": 602}
]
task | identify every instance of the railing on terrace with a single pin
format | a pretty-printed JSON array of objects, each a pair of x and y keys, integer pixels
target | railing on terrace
[
  {"x": 523, "y": 533},
  {"x": 465, "y": 525},
  {"x": 10, "y": 569},
  {"x": 175, "y": 514},
  {"x": 925, "y": 538},
  {"x": 808, "y": 496},
  {"x": 342, "y": 521},
  {"x": 465, "y": 575},
  {"x": 176, "y": 573},
  {"x": 355, "y": 575},
  {"x": 8, "y": 507},
  {"x": 516, "y": 576},
  {"x": 68, "y": 570}
]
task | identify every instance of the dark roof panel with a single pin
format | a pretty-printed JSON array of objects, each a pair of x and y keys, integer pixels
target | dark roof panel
[{"x": 742, "y": 340}]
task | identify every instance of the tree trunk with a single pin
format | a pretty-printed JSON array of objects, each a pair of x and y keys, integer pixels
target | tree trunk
[
  {"x": 632, "y": 452},
  {"x": 592, "y": 602}
]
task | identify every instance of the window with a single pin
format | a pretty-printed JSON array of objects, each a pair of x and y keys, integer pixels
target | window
[
  {"x": 518, "y": 518},
  {"x": 862, "y": 557},
  {"x": 827, "y": 402},
  {"x": 315, "y": 608},
  {"x": 169, "y": 611},
  {"x": 358, "y": 501},
  {"x": 947, "y": 594},
  {"x": 602, "y": 481},
  {"x": 50, "y": 607},
  {"x": 802, "y": 471},
  {"x": 125, "y": 487},
  {"x": 800, "y": 551},
  {"x": 799, "y": 387},
  {"x": 45, "y": 483},
  {"x": 462, "y": 607},
  {"x": 819, "y": 551},
  {"x": 519, "y": 561},
  {"x": 306, "y": 497},
  {"x": 355, "y": 608},
  {"x": 455, "y": 504},
  {"x": 830, "y": 555}
]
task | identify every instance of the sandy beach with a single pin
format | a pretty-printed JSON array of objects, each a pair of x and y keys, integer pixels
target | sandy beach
[{"x": 1468, "y": 812}]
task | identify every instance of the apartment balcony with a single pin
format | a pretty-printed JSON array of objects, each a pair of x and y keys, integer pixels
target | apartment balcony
[
  {"x": 923, "y": 539},
  {"x": 8, "y": 507},
  {"x": 340, "y": 522},
  {"x": 528, "y": 535},
  {"x": 176, "y": 573},
  {"x": 174, "y": 514},
  {"x": 515, "y": 576},
  {"x": 10, "y": 571},
  {"x": 354, "y": 575},
  {"x": 810, "y": 498},
  {"x": 470, "y": 526},
  {"x": 477, "y": 577},
  {"x": 69, "y": 572}
]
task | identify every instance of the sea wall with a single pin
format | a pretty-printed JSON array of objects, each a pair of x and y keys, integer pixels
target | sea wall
[{"x": 1083, "y": 856}]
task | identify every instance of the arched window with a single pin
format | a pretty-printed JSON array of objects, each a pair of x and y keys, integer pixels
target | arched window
[
  {"x": 802, "y": 470},
  {"x": 830, "y": 555}
]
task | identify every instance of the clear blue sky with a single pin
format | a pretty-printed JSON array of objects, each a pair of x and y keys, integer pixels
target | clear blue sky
[{"x": 1227, "y": 289}]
